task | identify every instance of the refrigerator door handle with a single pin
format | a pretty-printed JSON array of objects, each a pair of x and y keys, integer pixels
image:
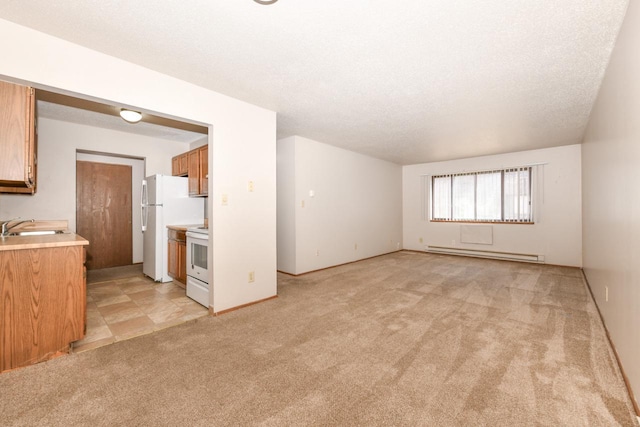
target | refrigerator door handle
[{"x": 144, "y": 210}]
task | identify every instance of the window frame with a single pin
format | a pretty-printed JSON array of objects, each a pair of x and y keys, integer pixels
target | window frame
[{"x": 432, "y": 209}]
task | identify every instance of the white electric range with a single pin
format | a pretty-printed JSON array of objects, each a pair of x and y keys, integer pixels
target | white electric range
[{"x": 197, "y": 265}]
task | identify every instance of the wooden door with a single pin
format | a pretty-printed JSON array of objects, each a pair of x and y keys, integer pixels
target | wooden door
[{"x": 103, "y": 213}]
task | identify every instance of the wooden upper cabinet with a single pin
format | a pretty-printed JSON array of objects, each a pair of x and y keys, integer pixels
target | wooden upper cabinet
[
  {"x": 199, "y": 171},
  {"x": 194, "y": 173},
  {"x": 175, "y": 166},
  {"x": 184, "y": 164},
  {"x": 204, "y": 170},
  {"x": 17, "y": 139},
  {"x": 180, "y": 165}
]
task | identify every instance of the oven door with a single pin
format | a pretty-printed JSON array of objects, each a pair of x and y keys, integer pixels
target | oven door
[{"x": 197, "y": 246}]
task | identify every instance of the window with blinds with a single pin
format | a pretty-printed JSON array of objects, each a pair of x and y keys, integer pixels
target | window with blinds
[{"x": 489, "y": 196}]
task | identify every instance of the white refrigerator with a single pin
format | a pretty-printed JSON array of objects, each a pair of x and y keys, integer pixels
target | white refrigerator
[{"x": 165, "y": 201}]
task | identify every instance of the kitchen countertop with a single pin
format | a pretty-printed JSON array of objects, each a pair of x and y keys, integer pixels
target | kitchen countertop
[
  {"x": 12, "y": 243},
  {"x": 183, "y": 227}
]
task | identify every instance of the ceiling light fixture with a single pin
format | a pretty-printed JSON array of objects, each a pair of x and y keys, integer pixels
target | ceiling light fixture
[
  {"x": 265, "y": 1},
  {"x": 130, "y": 115}
]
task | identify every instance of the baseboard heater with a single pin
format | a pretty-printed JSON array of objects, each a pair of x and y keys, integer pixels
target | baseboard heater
[{"x": 486, "y": 254}]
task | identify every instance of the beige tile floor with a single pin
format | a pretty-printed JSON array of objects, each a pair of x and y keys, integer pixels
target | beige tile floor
[{"x": 125, "y": 307}]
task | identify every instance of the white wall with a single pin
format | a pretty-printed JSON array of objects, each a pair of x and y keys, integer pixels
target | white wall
[
  {"x": 198, "y": 143},
  {"x": 357, "y": 200},
  {"x": 241, "y": 140},
  {"x": 611, "y": 203},
  {"x": 286, "y": 184},
  {"x": 556, "y": 233}
]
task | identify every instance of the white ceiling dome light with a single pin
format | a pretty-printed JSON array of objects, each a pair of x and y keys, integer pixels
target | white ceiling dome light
[
  {"x": 130, "y": 115},
  {"x": 265, "y": 1}
]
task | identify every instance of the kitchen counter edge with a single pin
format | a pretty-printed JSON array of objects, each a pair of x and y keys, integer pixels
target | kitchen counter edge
[
  {"x": 183, "y": 227},
  {"x": 15, "y": 243}
]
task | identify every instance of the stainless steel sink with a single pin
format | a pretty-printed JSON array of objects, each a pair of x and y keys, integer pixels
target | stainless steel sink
[{"x": 36, "y": 233}]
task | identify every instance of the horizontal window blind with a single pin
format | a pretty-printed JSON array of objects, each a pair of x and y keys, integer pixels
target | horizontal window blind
[{"x": 502, "y": 195}]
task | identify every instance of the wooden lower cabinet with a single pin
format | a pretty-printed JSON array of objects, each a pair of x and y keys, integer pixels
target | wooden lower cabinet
[
  {"x": 177, "y": 256},
  {"x": 182, "y": 262},
  {"x": 43, "y": 303},
  {"x": 172, "y": 262}
]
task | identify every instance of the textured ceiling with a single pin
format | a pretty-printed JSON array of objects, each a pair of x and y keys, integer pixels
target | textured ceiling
[{"x": 409, "y": 81}]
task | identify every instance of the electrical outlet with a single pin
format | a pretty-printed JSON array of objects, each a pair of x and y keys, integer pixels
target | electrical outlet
[
  {"x": 355, "y": 247},
  {"x": 421, "y": 240},
  {"x": 606, "y": 294},
  {"x": 250, "y": 186},
  {"x": 225, "y": 200},
  {"x": 302, "y": 204},
  {"x": 252, "y": 276},
  {"x": 317, "y": 252}
]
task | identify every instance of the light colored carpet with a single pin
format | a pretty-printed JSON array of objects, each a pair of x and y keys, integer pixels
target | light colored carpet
[{"x": 402, "y": 339}]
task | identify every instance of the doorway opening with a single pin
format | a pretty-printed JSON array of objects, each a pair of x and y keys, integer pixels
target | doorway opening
[{"x": 121, "y": 302}]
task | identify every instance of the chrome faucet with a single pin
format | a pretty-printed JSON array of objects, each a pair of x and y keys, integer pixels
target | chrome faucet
[{"x": 6, "y": 226}]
